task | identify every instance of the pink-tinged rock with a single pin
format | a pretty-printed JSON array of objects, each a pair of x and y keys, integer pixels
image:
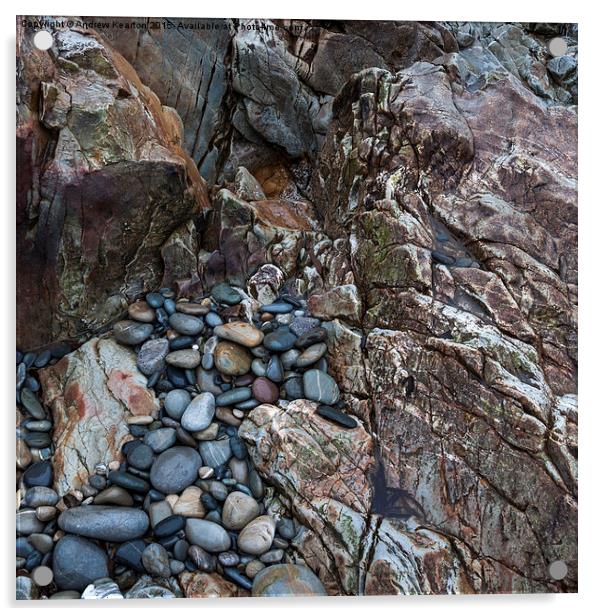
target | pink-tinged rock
[
  {"x": 92, "y": 392},
  {"x": 324, "y": 471},
  {"x": 314, "y": 457}
]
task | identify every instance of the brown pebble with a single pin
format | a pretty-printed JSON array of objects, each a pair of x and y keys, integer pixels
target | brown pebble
[
  {"x": 224, "y": 414},
  {"x": 45, "y": 513},
  {"x": 114, "y": 495},
  {"x": 24, "y": 457},
  {"x": 192, "y": 308},
  {"x": 253, "y": 568},
  {"x": 141, "y": 311},
  {"x": 264, "y": 390}
]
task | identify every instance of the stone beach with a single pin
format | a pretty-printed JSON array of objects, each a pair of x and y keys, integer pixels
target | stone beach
[{"x": 183, "y": 496}]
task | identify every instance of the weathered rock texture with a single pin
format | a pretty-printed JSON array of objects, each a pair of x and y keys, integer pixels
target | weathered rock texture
[
  {"x": 419, "y": 182},
  {"x": 102, "y": 183},
  {"x": 91, "y": 393}
]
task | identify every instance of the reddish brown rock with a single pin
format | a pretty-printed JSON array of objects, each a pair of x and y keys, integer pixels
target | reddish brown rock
[
  {"x": 264, "y": 390},
  {"x": 86, "y": 125},
  {"x": 232, "y": 359}
]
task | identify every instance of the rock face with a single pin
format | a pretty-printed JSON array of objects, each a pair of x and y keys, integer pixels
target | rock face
[
  {"x": 92, "y": 392},
  {"x": 482, "y": 346},
  {"x": 89, "y": 237}
]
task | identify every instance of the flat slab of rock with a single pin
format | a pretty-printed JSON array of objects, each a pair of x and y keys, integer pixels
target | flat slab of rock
[
  {"x": 105, "y": 523},
  {"x": 92, "y": 392}
]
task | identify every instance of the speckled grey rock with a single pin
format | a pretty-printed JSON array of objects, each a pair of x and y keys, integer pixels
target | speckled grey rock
[
  {"x": 175, "y": 469},
  {"x": 208, "y": 535},
  {"x": 77, "y": 562},
  {"x": 103, "y": 522}
]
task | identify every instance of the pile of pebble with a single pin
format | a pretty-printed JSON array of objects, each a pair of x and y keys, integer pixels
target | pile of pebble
[{"x": 186, "y": 497}]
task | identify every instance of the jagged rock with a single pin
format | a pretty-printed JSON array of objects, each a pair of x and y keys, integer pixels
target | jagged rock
[
  {"x": 88, "y": 236},
  {"x": 342, "y": 302},
  {"x": 200, "y": 585},
  {"x": 324, "y": 470},
  {"x": 265, "y": 284},
  {"x": 91, "y": 393},
  {"x": 150, "y": 588},
  {"x": 467, "y": 365}
]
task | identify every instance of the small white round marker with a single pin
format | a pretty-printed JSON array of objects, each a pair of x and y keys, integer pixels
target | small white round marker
[
  {"x": 558, "y": 46},
  {"x": 43, "y": 40}
]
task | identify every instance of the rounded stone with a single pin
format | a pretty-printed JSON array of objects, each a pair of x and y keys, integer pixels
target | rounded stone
[
  {"x": 175, "y": 469},
  {"x": 199, "y": 413},
  {"x": 155, "y": 300},
  {"x": 160, "y": 440},
  {"x": 38, "y": 474},
  {"x": 264, "y": 390},
  {"x": 207, "y": 535},
  {"x": 234, "y": 396},
  {"x": 232, "y": 359},
  {"x": 151, "y": 356},
  {"x": 286, "y": 580},
  {"x": 186, "y": 358},
  {"x": 240, "y": 332},
  {"x": 311, "y": 355},
  {"x": 186, "y": 324},
  {"x": 156, "y": 560},
  {"x": 41, "y": 495},
  {"x": 113, "y": 524},
  {"x": 239, "y": 509},
  {"x": 132, "y": 332},
  {"x": 176, "y": 402},
  {"x": 114, "y": 495},
  {"x": 130, "y": 554},
  {"x": 77, "y": 562},
  {"x": 320, "y": 387},
  {"x": 257, "y": 536},
  {"x": 313, "y": 336},
  {"x": 280, "y": 340},
  {"x": 215, "y": 453},
  {"x": 141, "y": 457},
  {"x": 223, "y": 293},
  {"x": 141, "y": 311}
]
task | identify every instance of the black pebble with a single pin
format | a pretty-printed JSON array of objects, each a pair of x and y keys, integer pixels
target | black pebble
[
  {"x": 169, "y": 526},
  {"x": 442, "y": 258},
  {"x": 336, "y": 416},
  {"x": 130, "y": 554},
  {"x": 38, "y": 474}
]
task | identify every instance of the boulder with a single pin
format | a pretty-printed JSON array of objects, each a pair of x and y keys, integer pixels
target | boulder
[{"x": 92, "y": 392}]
